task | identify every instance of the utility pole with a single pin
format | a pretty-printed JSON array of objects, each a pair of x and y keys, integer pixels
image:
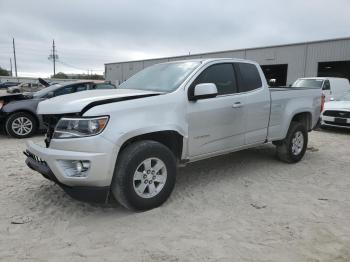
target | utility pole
[
  {"x": 11, "y": 66},
  {"x": 53, "y": 56},
  {"x": 14, "y": 54}
]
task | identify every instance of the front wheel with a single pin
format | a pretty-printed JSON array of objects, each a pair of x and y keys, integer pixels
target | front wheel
[
  {"x": 21, "y": 125},
  {"x": 293, "y": 147},
  {"x": 144, "y": 176}
]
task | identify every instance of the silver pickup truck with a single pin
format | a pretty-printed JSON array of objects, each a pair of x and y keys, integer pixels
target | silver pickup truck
[{"x": 127, "y": 143}]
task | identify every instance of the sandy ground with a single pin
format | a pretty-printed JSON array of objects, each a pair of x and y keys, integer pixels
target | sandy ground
[{"x": 245, "y": 206}]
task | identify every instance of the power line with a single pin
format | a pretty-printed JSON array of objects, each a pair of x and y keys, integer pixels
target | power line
[
  {"x": 53, "y": 56},
  {"x": 79, "y": 68}
]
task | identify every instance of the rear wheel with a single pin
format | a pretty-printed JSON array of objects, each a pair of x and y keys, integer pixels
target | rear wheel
[
  {"x": 21, "y": 125},
  {"x": 144, "y": 176},
  {"x": 293, "y": 147}
]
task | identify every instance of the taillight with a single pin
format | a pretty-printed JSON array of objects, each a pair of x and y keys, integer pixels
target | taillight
[{"x": 322, "y": 102}]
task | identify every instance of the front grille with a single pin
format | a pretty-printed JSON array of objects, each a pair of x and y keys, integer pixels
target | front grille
[
  {"x": 50, "y": 121},
  {"x": 334, "y": 113},
  {"x": 34, "y": 157},
  {"x": 337, "y": 124}
]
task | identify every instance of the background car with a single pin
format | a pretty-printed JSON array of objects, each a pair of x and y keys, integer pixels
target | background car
[
  {"x": 337, "y": 113},
  {"x": 8, "y": 84},
  {"x": 25, "y": 87},
  {"x": 18, "y": 111}
]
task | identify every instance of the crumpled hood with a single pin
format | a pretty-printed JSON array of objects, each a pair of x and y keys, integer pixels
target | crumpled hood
[
  {"x": 16, "y": 97},
  {"x": 81, "y": 101},
  {"x": 337, "y": 105}
]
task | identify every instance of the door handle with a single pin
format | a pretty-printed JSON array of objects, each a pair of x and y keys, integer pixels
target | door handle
[{"x": 237, "y": 105}]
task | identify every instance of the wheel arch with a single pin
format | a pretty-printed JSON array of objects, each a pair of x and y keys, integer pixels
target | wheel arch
[
  {"x": 27, "y": 112},
  {"x": 304, "y": 118},
  {"x": 170, "y": 138}
]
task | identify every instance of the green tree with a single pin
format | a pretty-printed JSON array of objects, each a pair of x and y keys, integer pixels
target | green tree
[
  {"x": 60, "y": 75},
  {"x": 90, "y": 77},
  {"x": 94, "y": 77},
  {"x": 3, "y": 72}
]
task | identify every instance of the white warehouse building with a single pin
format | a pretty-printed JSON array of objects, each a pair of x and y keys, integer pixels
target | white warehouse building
[{"x": 285, "y": 63}]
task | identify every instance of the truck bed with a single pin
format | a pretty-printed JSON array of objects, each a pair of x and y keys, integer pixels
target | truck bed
[{"x": 289, "y": 101}]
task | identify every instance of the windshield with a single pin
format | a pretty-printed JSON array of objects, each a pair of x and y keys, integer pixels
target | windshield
[
  {"x": 46, "y": 90},
  {"x": 165, "y": 77},
  {"x": 345, "y": 97},
  {"x": 310, "y": 83}
]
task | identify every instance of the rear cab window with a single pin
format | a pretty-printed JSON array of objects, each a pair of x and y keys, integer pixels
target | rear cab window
[
  {"x": 248, "y": 77},
  {"x": 326, "y": 85}
]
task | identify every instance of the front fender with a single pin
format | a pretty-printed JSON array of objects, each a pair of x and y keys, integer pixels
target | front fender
[
  {"x": 123, "y": 137},
  {"x": 22, "y": 105},
  {"x": 147, "y": 130}
]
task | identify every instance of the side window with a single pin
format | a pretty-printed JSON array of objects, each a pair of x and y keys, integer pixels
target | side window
[
  {"x": 64, "y": 90},
  {"x": 249, "y": 77},
  {"x": 222, "y": 75},
  {"x": 81, "y": 87},
  {"x": 326, "y": 85},
  {"x": 103, "y": 86}
]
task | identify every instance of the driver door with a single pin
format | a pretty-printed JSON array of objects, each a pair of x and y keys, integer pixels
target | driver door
[{"x": 216, "y": 124}]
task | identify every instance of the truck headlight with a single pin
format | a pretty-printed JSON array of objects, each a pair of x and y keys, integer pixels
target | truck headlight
[{"x": 80, "y": 127}]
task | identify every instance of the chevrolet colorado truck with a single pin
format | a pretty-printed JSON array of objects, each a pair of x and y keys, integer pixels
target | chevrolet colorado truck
[{"x": 127, "y": 143}]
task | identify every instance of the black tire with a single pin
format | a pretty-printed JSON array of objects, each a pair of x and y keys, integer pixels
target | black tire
[
  {"x": 13, "y": 133},
  {"x": 285, "y": 147},
  {"x": 130, "y": 159}
]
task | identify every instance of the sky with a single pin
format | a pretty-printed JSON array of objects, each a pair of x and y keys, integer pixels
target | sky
[{"x": 90, "y": 33}]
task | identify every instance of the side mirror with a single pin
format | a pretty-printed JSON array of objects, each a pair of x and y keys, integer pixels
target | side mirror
[
  {"x": 50, "y": 95},
  {"x": 272, "y": 82},
  {"x": 203, "y": 91}
]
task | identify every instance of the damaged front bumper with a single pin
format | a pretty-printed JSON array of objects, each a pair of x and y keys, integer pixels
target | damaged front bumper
[
  {"x": 53, "y": 164},
  {"x": 82, "y": 193}
]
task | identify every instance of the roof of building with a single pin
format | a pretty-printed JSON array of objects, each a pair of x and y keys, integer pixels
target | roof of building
[{"x": 236, "y": 50}]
